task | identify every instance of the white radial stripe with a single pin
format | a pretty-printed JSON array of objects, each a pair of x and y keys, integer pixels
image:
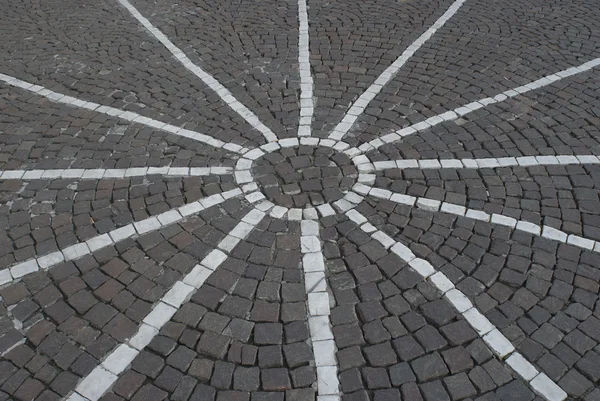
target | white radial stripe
[
  {"x": 212, "y": 83},
  {"x": 464, "y": 110},
  {"x": 118, "y": 113},
  {"x": 100, "y": 380},
  {"x": 99, "y": 173},
  {"x": 495, "y": 340},
  {"x": 323, "y": 343},
  {"x": 359, "y": 106},
  {"x": 492, "y": 162},
  {"x": 434, "y": 205},
  {"x": 306, "y": 81},
  {"x": 117, "y": 235}
]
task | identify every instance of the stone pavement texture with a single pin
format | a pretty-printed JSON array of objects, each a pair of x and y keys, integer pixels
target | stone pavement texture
[{"x": 299, "y": 200}]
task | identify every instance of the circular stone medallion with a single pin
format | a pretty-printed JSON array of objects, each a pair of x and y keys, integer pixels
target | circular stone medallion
[{"x": 304, "y": 176}]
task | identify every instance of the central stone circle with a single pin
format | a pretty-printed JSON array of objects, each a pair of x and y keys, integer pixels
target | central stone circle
[{"x": 304, "y": 176}]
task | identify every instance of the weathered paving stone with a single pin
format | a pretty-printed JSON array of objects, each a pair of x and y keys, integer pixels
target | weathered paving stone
[{"x": 429, "y": 367}]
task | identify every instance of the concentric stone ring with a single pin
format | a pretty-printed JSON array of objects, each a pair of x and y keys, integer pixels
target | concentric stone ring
[{"x": 303, "y": 176}]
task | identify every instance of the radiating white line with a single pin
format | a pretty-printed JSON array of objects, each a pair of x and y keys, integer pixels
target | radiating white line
[
  {"x": 362, "y": 102},
  {"x": 119, "y": 234},
  {"x": 306, "y": 81},
  {"x": 103, "y": 376},
  {"x": 100, "y": 173},
  {"x": 118, "y": 113},
  {"x": 492, "y": 162},
  {"x": 520, "y": 225},
  {"x": 464, "y": 110},
  {"x": 495, "y": 340},
  {"x": 212, "y": 83},
  {"x": 323, "y": 343}
]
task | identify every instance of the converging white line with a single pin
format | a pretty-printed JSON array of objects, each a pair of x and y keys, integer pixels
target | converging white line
[
  {"x": 321, "y": 335},
  {"x": 362, "y": 102},
  {"x": 122, "y": 114},
  {"x": 471, "y": 107},
  {"x": 100, "y": 380},
  {"x": 212, "y": 83},
  {"x": 115, "y": 236},
  {"x": 490, "y": 162},
  {"x": 494, "y": 339},
  {"x": 112, "y": 173},
  {"x": 434, "y": 205},
  {"x": 306, "y": 81}
]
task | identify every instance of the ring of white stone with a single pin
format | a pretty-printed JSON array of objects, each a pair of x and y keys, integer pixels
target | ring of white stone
[{"x": 248, "y": 183}]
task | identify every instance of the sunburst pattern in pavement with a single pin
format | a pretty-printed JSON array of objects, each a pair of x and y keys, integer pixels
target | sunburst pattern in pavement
[{"x": 377, "y": 226}]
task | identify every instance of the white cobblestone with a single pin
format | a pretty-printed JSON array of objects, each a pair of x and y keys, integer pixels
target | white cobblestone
[
  {"x": 190, "y": 208},
  {"x": 403, "y": 199},
  {"x": 309, "y": 244},
  {"x": 214, "y": 259},
  {"x": 459, "y": 300},
  {"x": 580, "y": 242},
  {"x": 520, "y": 365},
  {"x": 421, "y": 266},
  {"x": 197, "y": 276},
  {"x": 320, "y": 328},
  {"x": 178, "y": 294},
  {"x": 50, "y": 260},
  {"x": 96, "y": 383},
  {"x": 75, "y": 251},
  {"x": 5, "y": 276},
  {"x": 24, "y": 268},
  {"x": 544, "y": 386},
  {"x": 122, "y": 233},
  {"x": 147, "y": 225},
  {"x": 453, "y": 209},
  {"x": 428, "y": 204},
  {"x": 160, "y": 315},
  {"x": 498, "y": 343},
  {"x": 383, "y": 239},
  {"x": 529, "y": 227},
  {"x": 441, "y": 282},
  {"x": 554, "y": 234},
  {"x": 318, "y": 304},
  {"x": 327, "y": 380},
  {"x": 313, "y": 262},
  {"x": 118, "y": 360},
  {"x": 315, "y": 281},
  {"x": 504, "y": 220},
  {"x": 479, "y": 322},
  {"x": 403, "y": 252},
  {"x": 144, "y": 335},
  {"x": 324, "y": 352}
]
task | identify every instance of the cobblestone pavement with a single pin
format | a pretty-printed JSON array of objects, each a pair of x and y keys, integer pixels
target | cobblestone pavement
[{"x": 299, "y": 200}]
